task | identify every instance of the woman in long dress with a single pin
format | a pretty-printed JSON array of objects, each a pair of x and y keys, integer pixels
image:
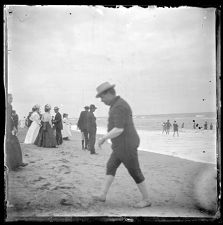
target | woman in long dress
[
  {"x": 46, "y": 137},
  {"x": 13, "y": 151},
  {"x": 34, "y": 127},
  {"x": 66, "y": 132}
]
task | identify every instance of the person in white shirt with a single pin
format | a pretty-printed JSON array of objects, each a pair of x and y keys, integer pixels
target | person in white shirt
[
  {"x": 66, "y": 132},
  {"x": 34, "y": 127}
]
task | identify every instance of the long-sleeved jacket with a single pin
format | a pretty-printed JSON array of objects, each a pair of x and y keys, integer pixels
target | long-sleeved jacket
[
  {"x": 82, "y": 121},
  {"x": 58, "y": 121},
  {"x": 91, "y": 122}
]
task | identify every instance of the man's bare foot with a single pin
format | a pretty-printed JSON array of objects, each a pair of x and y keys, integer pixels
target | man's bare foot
[{"x": 143, "y": 204}]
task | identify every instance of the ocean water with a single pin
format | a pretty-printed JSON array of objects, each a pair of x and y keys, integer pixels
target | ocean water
[{"x": 193, "y": 144}]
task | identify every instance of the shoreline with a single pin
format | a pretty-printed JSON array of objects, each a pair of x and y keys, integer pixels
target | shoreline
[{"x": 203, "y": 150}]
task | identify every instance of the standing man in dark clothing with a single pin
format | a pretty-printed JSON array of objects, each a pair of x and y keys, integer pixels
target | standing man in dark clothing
[
  {"x": 82, "y": 125},
  {"x": 125, "y": 141},
  {"x": 58, "y": 123},
  {"x": 91, "y": 128}
]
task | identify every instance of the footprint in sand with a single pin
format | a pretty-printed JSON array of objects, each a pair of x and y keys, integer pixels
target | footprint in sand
[
  {"x": 45, "y": 186},
  {"x": 63, "y": 169},
  {"x": 65, "y": 202},
  {"x": 62, "y": 187},
  {"x": 64, "y": 160},
  {"x": 39, "y": 179}
]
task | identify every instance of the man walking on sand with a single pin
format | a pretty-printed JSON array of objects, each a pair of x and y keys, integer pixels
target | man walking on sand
[{"x": 125, "y": 142}]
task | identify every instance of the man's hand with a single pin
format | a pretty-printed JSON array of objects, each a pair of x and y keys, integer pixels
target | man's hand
[{"x": 101, "y": 142}]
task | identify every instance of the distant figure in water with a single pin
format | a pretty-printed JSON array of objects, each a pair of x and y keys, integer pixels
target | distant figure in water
[
  {"x": 182, "y": 126},
  {"x": 194, "y": 124},
  {"x": 211, "y": 126},
  {"x": 164, "y": 127},
  {"x": 205, "y": 125},
  {"x": 175, "y": 128},
  {"x": 168, "y": 125}
]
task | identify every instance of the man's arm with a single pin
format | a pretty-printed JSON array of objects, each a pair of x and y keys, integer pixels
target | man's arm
[{"x": 115, "y": 132}]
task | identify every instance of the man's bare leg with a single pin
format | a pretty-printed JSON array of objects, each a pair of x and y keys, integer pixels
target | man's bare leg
[
  {"x": 108, "y": 182},
  {"x": 145, "y": 196}
]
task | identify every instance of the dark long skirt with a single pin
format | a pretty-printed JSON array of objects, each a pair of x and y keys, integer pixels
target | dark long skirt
[
  {"x": 46, "y": 137},
  {"x": 13, "y": 153}
]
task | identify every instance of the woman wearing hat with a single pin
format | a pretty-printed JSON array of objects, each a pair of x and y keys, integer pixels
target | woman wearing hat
[
  {"x": 46, "y": 138},
  {"x": 34, "y": 127}
]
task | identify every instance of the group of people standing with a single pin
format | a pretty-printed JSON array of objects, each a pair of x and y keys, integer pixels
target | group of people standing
[
  {"x": 88, "y": 127},
  {"x": 196, "y": 125},
  {"x": 167, "y": 125},
  {"x": 45, "y": 130}
]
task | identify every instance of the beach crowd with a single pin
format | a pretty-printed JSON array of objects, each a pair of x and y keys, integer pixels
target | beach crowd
[{"x": 167, "y": 125}]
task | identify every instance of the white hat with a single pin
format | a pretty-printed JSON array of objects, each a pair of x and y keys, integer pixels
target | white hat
[{"x": 103, "y": 87}]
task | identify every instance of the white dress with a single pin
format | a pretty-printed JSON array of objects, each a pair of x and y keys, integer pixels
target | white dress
[
  {"x": 22, "y": 123},
  {"x": 66, "y": 132},
  {"x": 33, "y": 129}
]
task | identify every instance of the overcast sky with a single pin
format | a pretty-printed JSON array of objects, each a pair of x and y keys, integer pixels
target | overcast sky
[{"x": 162, "y": 60}]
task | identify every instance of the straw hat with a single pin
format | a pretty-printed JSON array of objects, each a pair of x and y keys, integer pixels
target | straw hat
[
  {"x": 86, "y": 107},
  {"x": 103, "y": 87},
  {"x": 56, "y": 107}
]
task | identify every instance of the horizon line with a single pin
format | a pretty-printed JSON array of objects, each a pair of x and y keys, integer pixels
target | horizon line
[{"x": 161, "y": 114}]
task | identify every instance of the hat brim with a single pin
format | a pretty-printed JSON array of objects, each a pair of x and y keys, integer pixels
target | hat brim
[{"x": 98, "y": 94}]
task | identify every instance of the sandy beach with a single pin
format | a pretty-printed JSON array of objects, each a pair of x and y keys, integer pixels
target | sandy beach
[{"x": 61, "y": 182}]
